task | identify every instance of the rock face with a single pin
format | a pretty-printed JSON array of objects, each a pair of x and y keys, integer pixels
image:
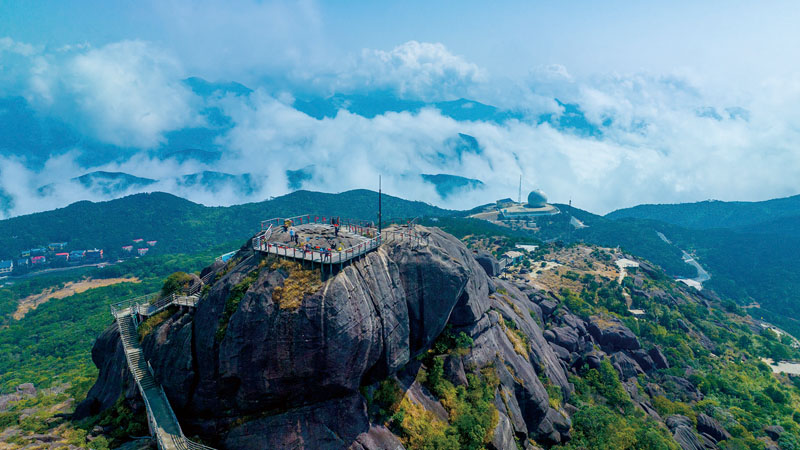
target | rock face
[
  {"x": 612, "y": 334},
  {"x": 289, "y": 377},
  {"x": 488, "y": 262},
  {"x": 114, "y": 378},
  {"x": 709, "y": 426}
]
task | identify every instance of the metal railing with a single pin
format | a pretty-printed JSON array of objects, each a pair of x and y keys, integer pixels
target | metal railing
[
  {"x": 317, "y": 254},
  {"x": 179, "y": 441},
  {"x": 308, "y": 218}
]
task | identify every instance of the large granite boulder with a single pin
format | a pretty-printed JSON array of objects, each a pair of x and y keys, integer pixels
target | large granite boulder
[
  {"x": 658, "y": 358},
  {"x": 331, "y": 425},
  {"x": 683, "y": 433},
  {"x": 566, "y": 337},
  {"x": 488, "y": 262},
  {"x": 114, "y": 378},
  {"x": 709, "y": 426},
  {"x": 612, "y": 334},
  {"x": 299, "y": 367}
]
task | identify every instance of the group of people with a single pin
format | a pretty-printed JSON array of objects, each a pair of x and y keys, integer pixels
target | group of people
[{"x": 294, "y": 238}]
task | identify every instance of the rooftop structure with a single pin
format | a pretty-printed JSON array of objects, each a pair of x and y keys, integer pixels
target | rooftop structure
[
  {"x": 536, "y": 206},
  {"x": 6, "y": 266}
]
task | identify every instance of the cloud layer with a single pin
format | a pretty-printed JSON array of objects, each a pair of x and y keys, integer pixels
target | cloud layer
[{"x": 606, "y": 141}]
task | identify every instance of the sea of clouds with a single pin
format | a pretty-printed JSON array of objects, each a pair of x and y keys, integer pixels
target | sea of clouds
[{"x": 658, "y": 137}]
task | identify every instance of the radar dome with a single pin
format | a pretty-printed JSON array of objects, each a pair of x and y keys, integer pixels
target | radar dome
[{"x": 536, "y": 199}]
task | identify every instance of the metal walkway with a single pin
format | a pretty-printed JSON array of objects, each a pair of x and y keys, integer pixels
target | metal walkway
[{"x": 161, "y": 419}]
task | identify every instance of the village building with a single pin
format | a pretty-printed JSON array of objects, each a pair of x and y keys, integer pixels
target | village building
[{"x": 6, "y": 266}]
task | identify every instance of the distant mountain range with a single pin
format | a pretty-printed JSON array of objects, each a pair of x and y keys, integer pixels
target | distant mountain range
[
  {"x": 715, "y": 214},
  {"x": 753, "y": 261},
  {"x": 114, "y": 184},
  {"x": 182, "y": 226},
  {"x": 35, "y": 136},
  {"x": 447, "y": 185}
]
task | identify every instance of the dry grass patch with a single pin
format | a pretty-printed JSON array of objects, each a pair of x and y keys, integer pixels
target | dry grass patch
[
  {"x": 70, "y": 288},
  {"x": 296, "y": 286},
  {"x": 517, "y": 338}
]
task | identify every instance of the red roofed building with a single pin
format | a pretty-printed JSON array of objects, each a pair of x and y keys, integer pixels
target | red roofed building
[
  {"x": 127, "y": 248},
  {"x": 142, "y": 251},
  {"x": 151, "y": 243},
  {"x": 38, "y": 260}
]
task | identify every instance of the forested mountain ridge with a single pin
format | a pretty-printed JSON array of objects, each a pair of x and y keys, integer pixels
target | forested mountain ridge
[
  {"x": 714, "y": 213},
  {"x": 183, "y": 226}
]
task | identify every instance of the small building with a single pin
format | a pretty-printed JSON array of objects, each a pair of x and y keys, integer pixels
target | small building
[
  {"x": 138, "y": 240},
  {"x": 25, "y": 253},
  {"x": 527, "y": 247},
  {"x": 6, "y": 266},
  {"x": 38, "y": 260},
  {"x": 53, "y": 246},
  {"x": 142, "y": 251},
  {"x": 638, "y": 313},
  {"x": 151, "y": 243},
  {"x": 23, "y": 262},
  {"x": 38, "y": 251},
  {"x": 61, "y": 257},
  {"x": 127, "y": 248},
  {"x": 94, "y": 255},
  {"x": 77, "y": 255},
  {"x": 513, "y": 256}
]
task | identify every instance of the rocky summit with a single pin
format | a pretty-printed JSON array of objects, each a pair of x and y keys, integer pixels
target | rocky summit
[{"x": 415, "y": 341}]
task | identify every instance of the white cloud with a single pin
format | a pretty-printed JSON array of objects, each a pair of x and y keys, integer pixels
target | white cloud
[
  {"x": 653, "y": 145},
  {"x": 413, "y": 70},
  {"x": 127, "y": 93},
  {"x": 131, "y": 92}
]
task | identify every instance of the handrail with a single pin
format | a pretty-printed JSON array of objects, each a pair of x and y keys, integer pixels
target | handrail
[
  {"x": 308, "y": 218},
  {"x": 180, "y": 441}
]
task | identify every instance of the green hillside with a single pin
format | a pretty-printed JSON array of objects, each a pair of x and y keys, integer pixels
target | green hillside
[
  {"x": 714, "y": 214},
  {"x": 750, "y": 248},
  {"x": 182, "y": 226}
]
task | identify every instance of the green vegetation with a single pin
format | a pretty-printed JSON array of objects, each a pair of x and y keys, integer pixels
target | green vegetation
[
  {"x": 181, "y": 226},
  {"x": 177, "y": 282},
  {"x": 600, "y": 427},
  {"x": 155, "y": 320},
  {"x": 51, "y": 348},
  {"x": 472, "y": 415},
  {"x": 235, "y": 297}
]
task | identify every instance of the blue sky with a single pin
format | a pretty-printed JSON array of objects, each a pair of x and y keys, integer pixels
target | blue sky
[{"x": 683, "y": 101}]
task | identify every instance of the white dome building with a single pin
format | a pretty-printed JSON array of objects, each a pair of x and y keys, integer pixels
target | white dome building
[
  {"x": 537, "y": 206},
  {"x": 537, "y": 199}
]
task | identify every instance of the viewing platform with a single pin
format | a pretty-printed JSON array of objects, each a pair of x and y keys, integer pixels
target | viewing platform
[{"x": 331, "y": 241}]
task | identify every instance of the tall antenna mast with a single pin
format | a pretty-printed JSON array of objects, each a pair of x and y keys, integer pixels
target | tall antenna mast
[
  {"x": 519, "y": 197},
  {"x": 379, "y": 205},
  {"x": 569, "y": 224}
]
